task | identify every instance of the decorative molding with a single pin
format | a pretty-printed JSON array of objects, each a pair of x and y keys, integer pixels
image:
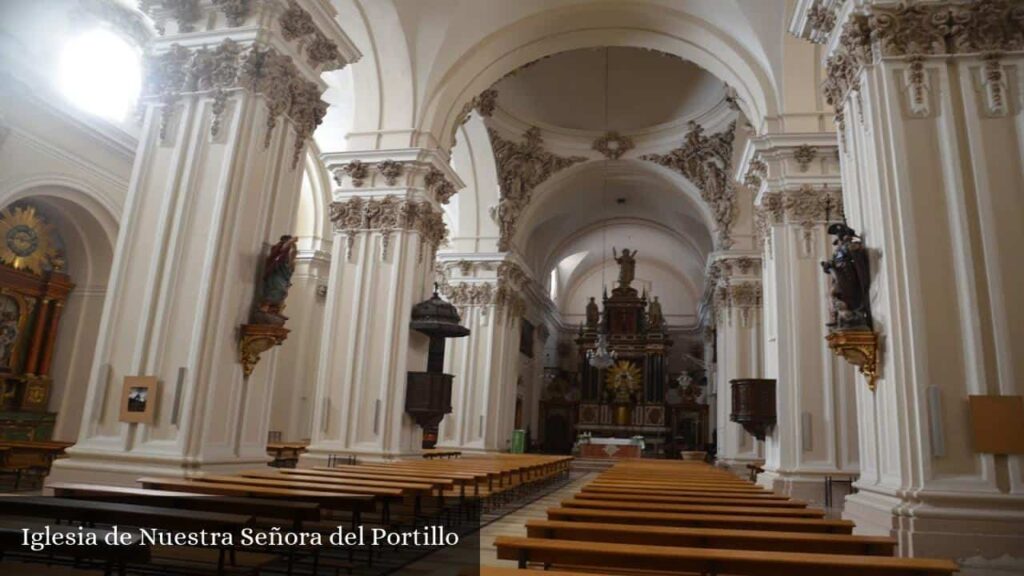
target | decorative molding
[
  {"x": 805, "y": 206},
  {"x": 297, "y": 25},
  {"x": 522, "y": 166},
  {"x": 918, "y": 87},
  {"x": 386, "y": 216},
  {"x": 821, "y": 17},
  {"x": 804, "y": 155},
  {"x": 185, "y": 14},
  {"x": 236, "y": 11},
  {"x": 485, "y": 102},
  {"x": 229, "y": 67},
  {"x": 438, "y": 184},
  {"x": 390, "y": 170},
  {"x": 914, "y": 31},
  {"x": 463, "y": 294},
  {"x": 993, "y": 78},
  {"x": 613, "y": 145},
  {"x": 757, "y": 171},
  {"x": 356, "y": 170},
  {"x": 706, "y": 161}
]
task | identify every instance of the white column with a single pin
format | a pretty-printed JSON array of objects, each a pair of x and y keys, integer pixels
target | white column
[
  {"x": 816, "y": 432},
  {"x": 230, "y": 100},
  {"x": 486, "y": 363},
  {"x": 737, "y": 302},
  {"x": 388, "y": 225},
  {"x": 928, "y": 103},
  {"x": 295, "y": 374}
]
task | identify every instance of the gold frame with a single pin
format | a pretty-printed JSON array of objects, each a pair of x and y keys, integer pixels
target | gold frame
[
  {"x": 148, "y": 414},
  {"x": 858, "y": 347}
]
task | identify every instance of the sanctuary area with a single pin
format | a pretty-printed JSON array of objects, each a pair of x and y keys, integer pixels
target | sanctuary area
[{"x": 310, "y": 287}]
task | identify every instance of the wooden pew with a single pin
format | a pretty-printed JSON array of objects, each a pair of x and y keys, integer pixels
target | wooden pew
[
  {"x": 695, "y": 492},
  {"x": 820, "y": 525},
  {"x": 695, "y": 508},
  {"x": 354, "y": 503},
  {"x": 296, "y": 513},
  {"x": 689, "y": 499},
  {"x": 712, "y": 538},
  {"x": 638, "y": 558}
]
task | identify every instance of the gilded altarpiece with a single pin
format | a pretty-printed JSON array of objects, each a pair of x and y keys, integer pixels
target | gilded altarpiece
[
  {"x": 627, "y": 399},
  {"x": 33, "y": 290}
]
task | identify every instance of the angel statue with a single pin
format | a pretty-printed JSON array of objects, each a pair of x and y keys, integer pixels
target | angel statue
[
  {"x": 277, "y": 279},
  {"x": 627, "y": 266},
  {"x": 851, "y": 306}
]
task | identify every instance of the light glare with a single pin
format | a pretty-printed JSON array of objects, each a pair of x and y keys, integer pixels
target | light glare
[{"x": 100, "y": 73}]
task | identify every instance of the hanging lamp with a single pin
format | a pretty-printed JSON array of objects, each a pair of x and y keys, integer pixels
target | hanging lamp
[{"x": 600, "y": 357}]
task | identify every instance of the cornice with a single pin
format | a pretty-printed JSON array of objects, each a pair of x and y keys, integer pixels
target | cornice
[{"x": 654, "y": 139}]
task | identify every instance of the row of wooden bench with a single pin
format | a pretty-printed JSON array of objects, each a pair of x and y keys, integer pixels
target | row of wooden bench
[
  {"x": 689, "y": 517},
  {"x": 399, "y": 493}
]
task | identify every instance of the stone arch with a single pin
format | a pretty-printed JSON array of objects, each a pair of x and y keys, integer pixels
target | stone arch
[
  {"x": 634, "y": 25},
  {"x": 89, "y": 230},
  {"x": 558, "y": 181}
]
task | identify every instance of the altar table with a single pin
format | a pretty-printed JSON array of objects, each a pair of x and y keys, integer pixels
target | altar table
[{"x": 611, "y": 448}]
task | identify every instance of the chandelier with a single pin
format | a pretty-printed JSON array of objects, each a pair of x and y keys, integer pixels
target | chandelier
[{"x": 600, "y": 357}]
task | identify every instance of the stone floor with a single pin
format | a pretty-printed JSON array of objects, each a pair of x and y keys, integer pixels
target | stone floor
[{"x": 512, "y": 524}]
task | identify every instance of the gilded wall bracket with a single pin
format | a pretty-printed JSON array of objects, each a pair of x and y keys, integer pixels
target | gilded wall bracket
[{"x": 858, "y": 347}]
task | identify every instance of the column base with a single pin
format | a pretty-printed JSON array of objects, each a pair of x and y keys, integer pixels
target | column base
[
  {"x": 738, "y": 466},
  {"x": 125, "y": 470},
  {"x": 320, "y": 456},
  {"x": 983, "y": 533},
  {"x": 806, "y": 486}
]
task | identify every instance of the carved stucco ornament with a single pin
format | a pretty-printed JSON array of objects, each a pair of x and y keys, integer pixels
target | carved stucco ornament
[
  {"x": 804, "y": 155},
  {"x": 706, "y": 161},
  {"x": 522, "y": 166},
  {"x": 913, "y": 32},
  {"x": 757, "y": 171},
  {"x": 387, "y": 216},
  {"x": 390, "y": 170},
  {"x": 439, "y": 185},
  {"x": 484, "y": 103},
  {"x": 613, "y": 145},
  {"x": 229, "y": 67},
  {"x": 356, "y": 170}
]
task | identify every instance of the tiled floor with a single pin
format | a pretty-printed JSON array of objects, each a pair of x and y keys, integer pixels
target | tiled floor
[{"x": 513, "y": 524}]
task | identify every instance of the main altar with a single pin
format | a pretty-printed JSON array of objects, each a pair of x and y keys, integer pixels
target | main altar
[{"x": 626, "y": 398}]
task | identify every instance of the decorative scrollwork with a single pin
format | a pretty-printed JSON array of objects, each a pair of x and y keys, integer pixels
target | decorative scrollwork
[
  {"x": 522, "y": 166},
  {"x": 706, "y": 161}
]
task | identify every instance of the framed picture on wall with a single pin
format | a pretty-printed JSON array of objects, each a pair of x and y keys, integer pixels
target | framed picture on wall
[
  {"x": 138, "y": 399},
  {"x": 526, "y": 338}
]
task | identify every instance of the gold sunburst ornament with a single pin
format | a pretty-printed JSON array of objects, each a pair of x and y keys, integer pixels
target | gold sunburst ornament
[
  {"x": 26, "y": 239},
  {"x": 624, "y": 378}
]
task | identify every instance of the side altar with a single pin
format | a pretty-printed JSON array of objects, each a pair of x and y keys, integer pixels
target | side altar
[{"x": 622, "y": 393}]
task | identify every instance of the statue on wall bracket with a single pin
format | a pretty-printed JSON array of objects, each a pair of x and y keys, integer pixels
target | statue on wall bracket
[
  {"x": 851, "y": 334},
  {"x": 266, "y": 321}
]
